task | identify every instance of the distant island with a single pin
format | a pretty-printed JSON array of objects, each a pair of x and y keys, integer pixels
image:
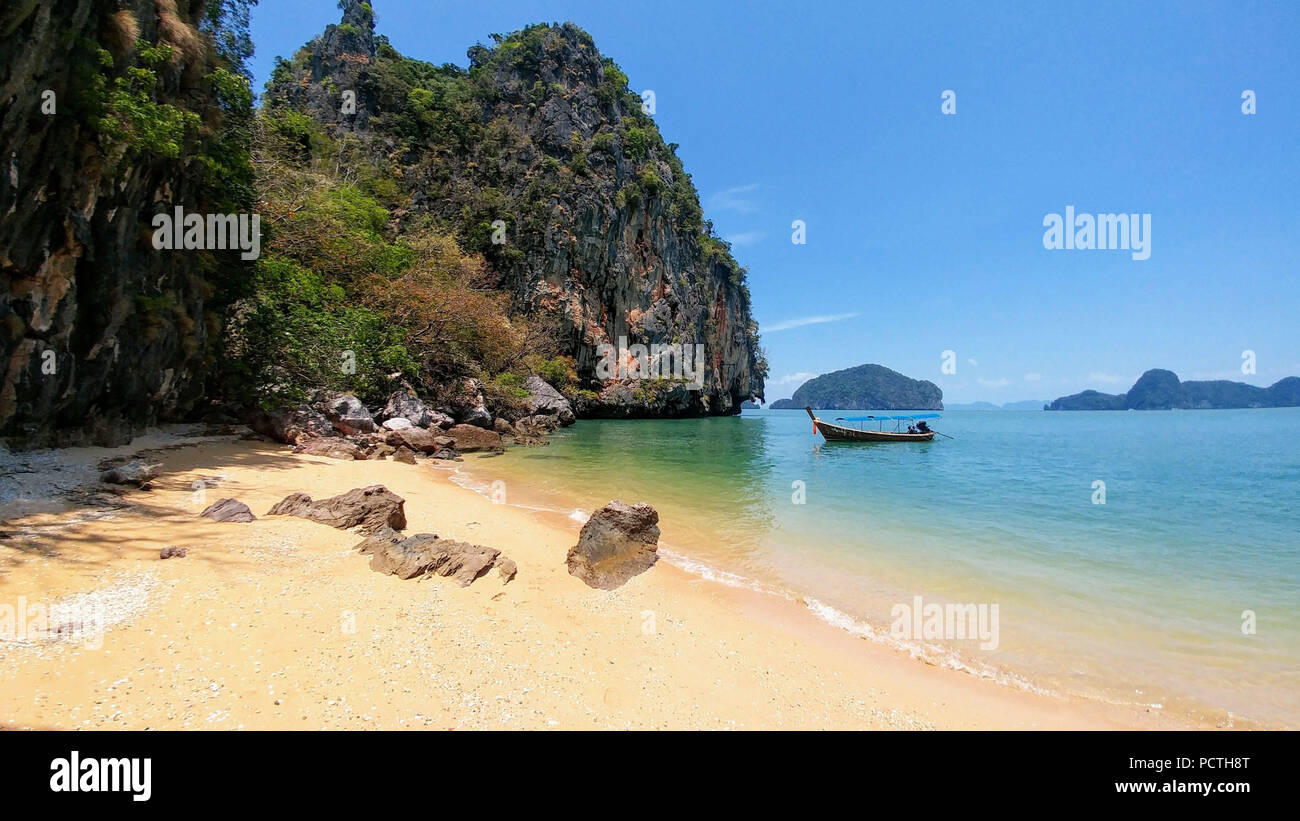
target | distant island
[
  {"x": 1159, "y": 389},
  {"x": 865, "y": 387},
  {"x": 1022, "y": 405}
]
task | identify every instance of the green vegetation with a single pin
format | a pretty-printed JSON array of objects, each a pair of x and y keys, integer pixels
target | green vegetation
[
  {"x": 342, "y": 301},
  {"x": 393, "y": 235}
]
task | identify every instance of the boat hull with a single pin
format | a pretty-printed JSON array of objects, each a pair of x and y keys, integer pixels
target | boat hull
[{"x": 836, "y": 433}]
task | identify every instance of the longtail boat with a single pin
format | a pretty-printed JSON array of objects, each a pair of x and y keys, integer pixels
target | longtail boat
[{"x": 844, "y": 433}]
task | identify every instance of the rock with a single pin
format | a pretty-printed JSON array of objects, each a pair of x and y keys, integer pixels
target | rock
[
  {"x": 228, "y": 510},
  {"x": 346, "y": 413},
  {"x": 404, "y": 406},
  {"x": 538, "y": 425},
  {"x": 547, "y": 401},
  {"x": 332, "y": 446},
  {"x": 139, "y": 474},
  {"x": 507, "y": 569},
  {"x": 502, "y": 427},
  {"x": 172, "y": 552},
  {"x": 425, "y": 554},
  {"x": 478, "y": 416},
  {"x": 416, "y": 439},
  {"x": 447, "y": 453},
  {"x": 404, "y": 455},
  {"x": 399, "y": 423},
  {"x": 617, "y": 542},
  {"x": 470, "y": 438},
  {"x": 438, "y": 419},
  {"x": 294, "y": 425},
  {"x": 369, "y": 508},
  {"x": 380, "y": 451},
  {"x": 468, "y": 406}
]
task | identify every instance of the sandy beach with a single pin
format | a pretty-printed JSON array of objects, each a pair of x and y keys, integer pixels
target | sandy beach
[{"x": 280, "y": 624}]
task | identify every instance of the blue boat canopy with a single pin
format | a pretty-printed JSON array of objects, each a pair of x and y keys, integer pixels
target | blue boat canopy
[{"x": 890, "y": 418}]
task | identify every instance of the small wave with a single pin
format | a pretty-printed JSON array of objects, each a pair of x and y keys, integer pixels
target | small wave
[{"x": 929, "y": 653}]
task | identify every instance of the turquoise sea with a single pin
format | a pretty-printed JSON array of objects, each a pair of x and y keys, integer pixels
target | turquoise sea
[{"x": 1140, "y": 600}]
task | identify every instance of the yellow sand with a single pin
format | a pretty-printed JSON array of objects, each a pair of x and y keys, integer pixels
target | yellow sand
[{"x": 279, "y": 624}]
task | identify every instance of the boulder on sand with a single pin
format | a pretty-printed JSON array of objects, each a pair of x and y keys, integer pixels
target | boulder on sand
[
  {"x": 172, "y": 551},
  {"x": 139, "y": 474},
  {"x": 228, "y": 510},
  {"x": 617, "y": 542},
  {"x": 425, "y": 554},
  {"x": 418, "y": 440},
  {"x": 404, "y": 455},
  {"x": 370, "y": 508},
  {"x": 331, "y": 446},
  {"x": 470, "y": 438}
]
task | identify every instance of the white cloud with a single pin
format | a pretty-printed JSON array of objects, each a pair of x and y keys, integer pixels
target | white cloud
[
  {"x": 800, "y": 377},
  {"x": 1033, "y": 377},
  {"x": 973, "y": 362},
  {"x": 787, "y": 324},
  {"x": 733, "y": 199},
  {"x": 743, "y": 238}
]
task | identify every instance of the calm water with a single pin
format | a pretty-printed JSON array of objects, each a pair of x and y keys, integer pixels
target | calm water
[{"x": 1137, "y": 600}]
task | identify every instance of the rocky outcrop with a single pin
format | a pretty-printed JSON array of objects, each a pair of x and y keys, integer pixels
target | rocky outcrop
[
  {"x": 617, "y": 542},
  {"x": 404, "y": 406},
  {"x": 603, "y": 231},
  {"x": 293, "y": 425},
  {"x": 228, "y": 510},
  {"x": 101, "y": 334},
  {"x": 368, "y": 508},
  {"x": 865, "y": 387},
  {"x": 544, "y": 400},
  {"x": 424, "y": 554},
  {"x": 346, "y": 413},
  {"x": 465, "y": 403}
]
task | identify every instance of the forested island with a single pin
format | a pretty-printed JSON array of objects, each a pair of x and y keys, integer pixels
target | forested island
[
  {"x": 865, "y": 387},
  {"x": 1159, "y": 389}
]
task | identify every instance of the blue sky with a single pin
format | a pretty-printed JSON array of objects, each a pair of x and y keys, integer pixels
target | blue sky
[{"x": 925, "y": 231}]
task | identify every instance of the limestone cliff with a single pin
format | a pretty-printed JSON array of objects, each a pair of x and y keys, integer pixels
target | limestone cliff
[
  {"x": 110, "y": 111},
  {"x": 542, "y": 159}
]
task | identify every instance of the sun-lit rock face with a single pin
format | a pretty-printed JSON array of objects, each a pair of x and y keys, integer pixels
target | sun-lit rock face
[{"x": 548, "y": 165}]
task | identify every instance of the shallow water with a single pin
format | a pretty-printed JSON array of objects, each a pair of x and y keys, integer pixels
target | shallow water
[{"x": 1137, "y": 600}]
